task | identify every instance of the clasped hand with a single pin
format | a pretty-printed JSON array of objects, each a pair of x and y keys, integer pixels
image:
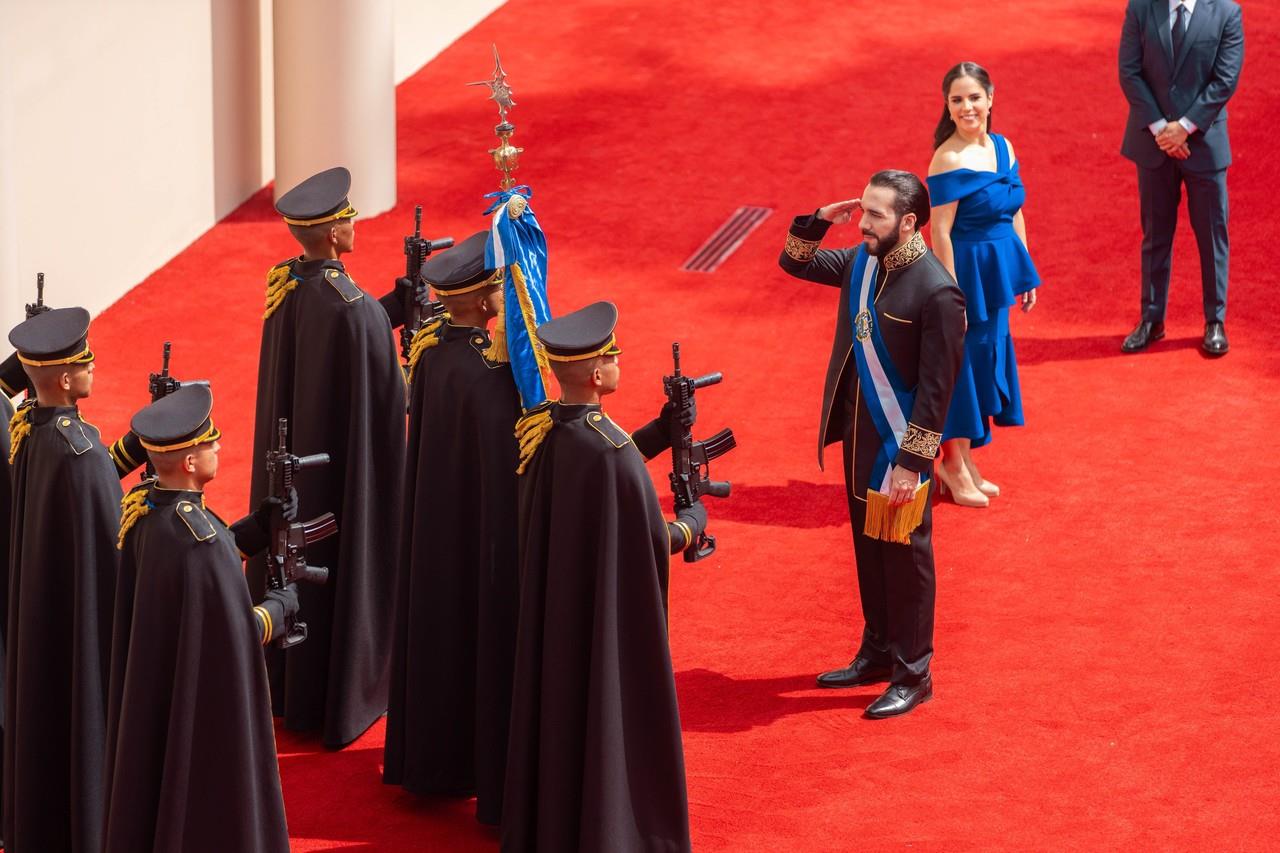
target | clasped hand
[{"x": 1173, "y": 141}]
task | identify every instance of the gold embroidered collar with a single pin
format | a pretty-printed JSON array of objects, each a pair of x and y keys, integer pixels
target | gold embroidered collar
[{"x": 906, "y": 254}]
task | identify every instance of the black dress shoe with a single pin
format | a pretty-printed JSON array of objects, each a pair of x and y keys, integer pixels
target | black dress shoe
[
  {"x": 1145, "y": 334},
  {"x": 859, "y": 671},
  {"x": 900, "y": 698},
  {"x": 1215, "y": 339}
]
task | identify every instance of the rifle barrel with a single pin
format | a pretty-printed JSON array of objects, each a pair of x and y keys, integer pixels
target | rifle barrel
[{"x": 312, "y": 460}]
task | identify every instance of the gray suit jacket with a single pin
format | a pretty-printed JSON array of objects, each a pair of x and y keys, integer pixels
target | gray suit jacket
[{"x": 1197, "y": 84}]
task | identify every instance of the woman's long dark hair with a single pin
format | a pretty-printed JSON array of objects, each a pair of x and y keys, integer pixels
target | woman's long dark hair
[{"x": 946, "y": 126}]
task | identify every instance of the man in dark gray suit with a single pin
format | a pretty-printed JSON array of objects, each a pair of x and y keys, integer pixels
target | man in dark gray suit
[{"x": 1179, "y": 65}]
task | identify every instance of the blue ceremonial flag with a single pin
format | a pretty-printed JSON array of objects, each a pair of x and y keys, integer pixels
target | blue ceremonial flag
[{"x": 518, "y": 247}]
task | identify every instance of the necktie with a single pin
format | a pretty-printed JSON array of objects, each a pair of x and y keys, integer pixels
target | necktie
[{"x": 1179, "y": 30}]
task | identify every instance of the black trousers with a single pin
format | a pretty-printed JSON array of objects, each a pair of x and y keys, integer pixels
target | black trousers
[
  {"x": 897, "y": 586},
  {"x": 1160, "y": 193}
]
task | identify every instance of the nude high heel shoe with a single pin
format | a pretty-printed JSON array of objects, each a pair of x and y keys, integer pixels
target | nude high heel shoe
[{"x": 970, "y": 498}]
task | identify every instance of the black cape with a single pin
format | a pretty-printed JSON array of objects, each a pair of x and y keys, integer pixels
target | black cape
[
  {"x": 458, "y": 590},
  {"x": 63, "y": 559},
  {"x": 192, "y": 763},
  {"x": 595, "y": 759},
  {"x": 330, "y": 366}
]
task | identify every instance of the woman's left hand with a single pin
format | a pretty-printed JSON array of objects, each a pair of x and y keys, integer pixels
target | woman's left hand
[{"x": 1028, "y": 300}]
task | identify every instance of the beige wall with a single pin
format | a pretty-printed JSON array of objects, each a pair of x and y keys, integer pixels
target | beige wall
[{"x": 129, "y": 127}]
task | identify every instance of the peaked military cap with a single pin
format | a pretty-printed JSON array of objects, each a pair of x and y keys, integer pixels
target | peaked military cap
[
  {"x": 180, "y": 420},
  {"x": 320, "y": 198},
  {"x": 461, "y": 269},
  {"x": 57, "y": 336},
  {"x": 585, "y": 333}
]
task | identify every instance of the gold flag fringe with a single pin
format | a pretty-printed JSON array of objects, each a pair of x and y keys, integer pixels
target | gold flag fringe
[
  {"x": 890, "y": 523},
  {"x": 132, "y": 507},
  {"x": 531, "y": 429}
]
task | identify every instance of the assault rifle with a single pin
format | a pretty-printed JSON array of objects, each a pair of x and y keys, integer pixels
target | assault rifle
[
  {"x": 416, "y": 251},
  {"x": 690, "y": 472},
  {"x": 161, "y": 385},
  {"x": 287, "y": 557},
  {"x": 38, "y": 307}
]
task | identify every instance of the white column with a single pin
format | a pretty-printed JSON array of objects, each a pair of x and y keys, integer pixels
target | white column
[{"x": 335, "y": 96}]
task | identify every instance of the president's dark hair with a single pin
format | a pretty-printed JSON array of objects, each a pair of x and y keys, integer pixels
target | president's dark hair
[
  {"x": 911, "y": 195},
  {"x": 946, "y": 126}
]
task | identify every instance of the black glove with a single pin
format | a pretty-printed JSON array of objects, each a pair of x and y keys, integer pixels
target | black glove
[
  {"x": 287, "y": 599},
  {"x": 288, "y": 509},
  {"x": 687, "y": 416},
  {"x": 694, "y": 517},
  {"x": 421, "y": 294}
]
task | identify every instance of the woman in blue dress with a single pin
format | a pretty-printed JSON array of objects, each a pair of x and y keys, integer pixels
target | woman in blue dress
[{"x": 980, "y": 235}]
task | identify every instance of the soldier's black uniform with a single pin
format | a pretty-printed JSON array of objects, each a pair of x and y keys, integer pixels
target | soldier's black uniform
[
  {"x": 330, "y": 366},
  {"x": 191, "y": 765},
  {"x": 920, "y": 311},
  {"x": 595, "y": 759},
  {"x": 458, "y": 592},
  {"x": 63, "y": 561}
]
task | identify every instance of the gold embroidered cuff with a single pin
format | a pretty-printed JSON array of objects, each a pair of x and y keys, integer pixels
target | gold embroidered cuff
[
  {"x": 799, "y": 249},
  {"x": 921, "y": 442}
]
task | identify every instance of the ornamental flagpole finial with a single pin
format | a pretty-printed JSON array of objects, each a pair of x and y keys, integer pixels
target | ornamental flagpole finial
[{"x": 506, "y": 156}]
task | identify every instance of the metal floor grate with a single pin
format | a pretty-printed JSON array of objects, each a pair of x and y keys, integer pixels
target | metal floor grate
[{"x": 726, "y": 239}]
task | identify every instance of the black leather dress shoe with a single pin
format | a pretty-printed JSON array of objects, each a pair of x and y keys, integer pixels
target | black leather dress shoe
[
  {"x": 1140, "y": 338},
  {"x": 900, "y": 698},
  {"x": 1215, "y": 339},
  {"x": 859, "y": 671}
]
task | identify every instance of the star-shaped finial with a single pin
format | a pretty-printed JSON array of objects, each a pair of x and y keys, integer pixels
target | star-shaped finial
[{"x": 500, "y": 91}]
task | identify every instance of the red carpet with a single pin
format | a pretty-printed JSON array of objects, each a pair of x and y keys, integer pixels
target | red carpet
[{"x": 1107, "y": 668}]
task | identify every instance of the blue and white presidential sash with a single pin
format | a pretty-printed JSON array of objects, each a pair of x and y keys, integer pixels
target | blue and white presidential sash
[{"x": 887, "y": 397}]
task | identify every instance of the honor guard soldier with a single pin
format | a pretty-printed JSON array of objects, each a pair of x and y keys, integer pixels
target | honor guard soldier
[
  {"x": 191, "y": 764},
  {"x": 329, "y": 365},
  {"x": 594, "y": 696},
  {"x": 459, "y": 590},
  {"x": 66, "y": 512},
  {"x": 898, "y": 347}
]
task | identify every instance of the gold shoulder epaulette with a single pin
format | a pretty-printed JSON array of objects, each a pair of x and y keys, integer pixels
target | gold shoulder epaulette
[
  {"x": 193, "y": 516},
  {"x": 280, "y": 282},
  {"x": 614, "y": 434},
  {"x": 531, "y": 429},
  {"x": 427, "y": 337},
  {"x": 19, "y": 427},
  {"x": 133, "y": 506}
]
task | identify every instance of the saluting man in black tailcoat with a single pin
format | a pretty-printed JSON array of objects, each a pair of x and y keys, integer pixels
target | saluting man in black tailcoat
[{"x": 898, "y": 346}]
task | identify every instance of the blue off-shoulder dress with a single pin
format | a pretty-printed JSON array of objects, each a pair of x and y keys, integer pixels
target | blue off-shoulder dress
[{"x": 993, "y": 268}]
